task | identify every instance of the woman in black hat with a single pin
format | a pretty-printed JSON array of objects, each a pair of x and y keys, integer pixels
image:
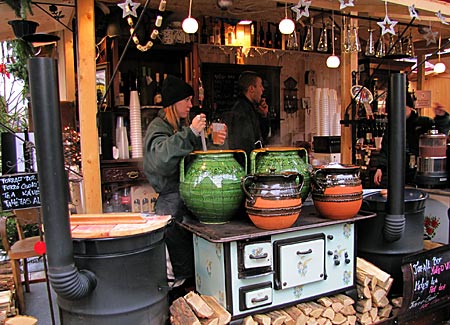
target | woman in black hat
[{"x": 170, "y": 137}]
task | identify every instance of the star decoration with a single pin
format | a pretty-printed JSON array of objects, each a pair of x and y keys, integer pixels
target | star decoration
[
  {"x": 387, "y": 25},
  {"x": 301, "y": 9},
  {"x": 441, "y": 18},
  {"x": 430, "y": 36},
  {"x": 412, "y": 12},
  {"x": 345, "y": 4},
  {"x": 129, "y": 8}
]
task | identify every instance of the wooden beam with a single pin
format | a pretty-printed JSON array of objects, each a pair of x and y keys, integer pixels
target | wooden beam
[
  {"x": 88, "y": 107},
  {"x": 427, "y": 5}
]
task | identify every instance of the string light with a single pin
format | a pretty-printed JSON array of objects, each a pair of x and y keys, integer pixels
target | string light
[
  {"x": 128, "y": 13},
  {"x": 286, "y": 26},
  {"x": 333, "y": 60},
  {"x": 190, "y": 25}
]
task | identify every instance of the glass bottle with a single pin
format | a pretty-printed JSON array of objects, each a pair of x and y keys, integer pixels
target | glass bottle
[
  {"x": 356, "y": 44},
  {"x": 323, "y": 41},
  {"x": 261, "y": 36},
  {"x": 157, "y": 98},
  {"x": 370, "y": 47},
  {"x": 269, "y": 39},
  {"x": 410, "y": 47},
  {"x": 309, "y": 39},
  {"x": 391, "y": 47},
  {"x": 348, "y": 39},
  {"x": 381, "y": 49}
]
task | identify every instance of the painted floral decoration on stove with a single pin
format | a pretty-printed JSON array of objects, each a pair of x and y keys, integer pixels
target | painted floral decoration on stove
[{"x": 431, "y": 224}]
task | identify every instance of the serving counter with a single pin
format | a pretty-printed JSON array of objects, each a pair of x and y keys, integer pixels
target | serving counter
[{"x": 251, "y": 270}]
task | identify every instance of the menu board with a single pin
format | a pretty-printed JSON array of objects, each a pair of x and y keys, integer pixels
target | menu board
[
  {"x": 426, "y": 285},
  {"x": 19, "y": 191}
]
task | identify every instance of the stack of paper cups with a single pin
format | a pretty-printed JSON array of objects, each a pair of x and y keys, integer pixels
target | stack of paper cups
[{"x": 135, "y": 125}]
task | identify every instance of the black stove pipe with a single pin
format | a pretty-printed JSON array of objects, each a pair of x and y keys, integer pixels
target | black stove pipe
[
  {"x": 66, "y": 280},
  {"x": 394, "y": 223}
]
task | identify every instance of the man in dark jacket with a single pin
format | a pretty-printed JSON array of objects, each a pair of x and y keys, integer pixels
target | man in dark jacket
[
  {"x": 415, "y": 126},
  {"x": 244, "y": 131},
  {"x": 441, "y": 119}
]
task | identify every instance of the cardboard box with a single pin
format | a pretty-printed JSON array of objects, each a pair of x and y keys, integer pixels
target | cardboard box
[{"x": 143, "y": 199}]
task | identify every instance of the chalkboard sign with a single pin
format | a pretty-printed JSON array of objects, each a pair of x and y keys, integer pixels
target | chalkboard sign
[
  {"x": 19, "y": 191},
  {"x": 426, "y": 285}
]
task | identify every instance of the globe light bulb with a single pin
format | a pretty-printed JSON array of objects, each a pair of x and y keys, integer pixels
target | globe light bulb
[
  {"x": 333, "y": 61},
  {"x": 190, "y": 25},
  {"x": 286, "y": 26},
  {"x": 439, "y": 67}
]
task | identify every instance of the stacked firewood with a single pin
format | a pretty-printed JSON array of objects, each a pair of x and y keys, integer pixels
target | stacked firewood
[
  {"x": 372, "y": 305},
  {"x": 193, "y": 309},
  {"x": 373, "y": 285}
]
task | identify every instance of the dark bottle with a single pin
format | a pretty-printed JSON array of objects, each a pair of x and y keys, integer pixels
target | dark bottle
[
  {"x": 222, "y": 32},
  {"x": 269, "y": 38},
  {"x": 157, "y": 98},
  {"x": 254, "y": 34},
  {"x": 145, "y": 96},
  {"x": 261, "y": 36},
  {"x": 204, "y": 32},
  {"x": 277, "y": 42},
  {"x": 210, "y": 31},
  {"x": 121, "y": 99}
]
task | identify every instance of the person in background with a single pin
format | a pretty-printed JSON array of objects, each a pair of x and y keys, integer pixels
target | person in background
[
  {"x": 415, "y": 126},
  {"x": 441, "y": 119},
  {"x": 170, "y": 137},
  {"x": 244, "y": 131}
]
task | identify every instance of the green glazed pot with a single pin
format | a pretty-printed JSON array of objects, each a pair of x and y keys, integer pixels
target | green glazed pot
[
  {"x": 282, "y": 159},
  {"x": 210, "y": 184}
]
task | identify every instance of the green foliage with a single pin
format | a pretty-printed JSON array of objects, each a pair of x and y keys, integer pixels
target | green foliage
[
  {"x": 20, "y": 7},
  {"x": 21, "y": 51}
]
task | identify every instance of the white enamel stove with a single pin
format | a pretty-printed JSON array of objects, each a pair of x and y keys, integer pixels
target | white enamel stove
[{"x": 265, "y": 272}]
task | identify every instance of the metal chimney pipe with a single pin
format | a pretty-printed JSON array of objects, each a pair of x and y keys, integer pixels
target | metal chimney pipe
[
  {"x": 64, "y": 277},
  {"x": 394, "y": 223}
]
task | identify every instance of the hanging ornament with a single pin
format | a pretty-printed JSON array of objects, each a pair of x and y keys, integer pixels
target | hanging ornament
[
  {"x": 430, "y": 36},
  {"x": 412, "y": 12},
  {"x": 129, "y": 8},
  {"x": 387, "y": 25},
  {"x": 441, "y": 18},
  {"x": 345, "y": 4},
  {"x": 301, "y": 9}
]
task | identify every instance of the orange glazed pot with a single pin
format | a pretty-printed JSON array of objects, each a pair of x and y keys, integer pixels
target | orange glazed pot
[
  {"x": 273, "y": 201},
  {"x": 337, "y": 190}
]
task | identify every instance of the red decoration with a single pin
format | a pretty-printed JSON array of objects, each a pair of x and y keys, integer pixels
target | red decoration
[
  {"x": 40, "y": 248},
  {"x": 3, "y": 69}
]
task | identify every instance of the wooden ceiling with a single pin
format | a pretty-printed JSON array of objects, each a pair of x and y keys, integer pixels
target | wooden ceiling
[{"x": 261, "y": 10}]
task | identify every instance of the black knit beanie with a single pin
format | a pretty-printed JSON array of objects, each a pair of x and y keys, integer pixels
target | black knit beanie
[{"x": 174, "y": 89}]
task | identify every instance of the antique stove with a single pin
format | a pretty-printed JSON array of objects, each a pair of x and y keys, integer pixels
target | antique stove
[{"x": 251, "y": 270}]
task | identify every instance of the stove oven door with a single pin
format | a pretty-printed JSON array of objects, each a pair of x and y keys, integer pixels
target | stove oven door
[{"x": 299, "y": 260}]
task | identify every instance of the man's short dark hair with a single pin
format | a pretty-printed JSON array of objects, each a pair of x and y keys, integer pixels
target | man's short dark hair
[
  {"x": 247, "y": 79},
  {"x": 409, "y": 100}
]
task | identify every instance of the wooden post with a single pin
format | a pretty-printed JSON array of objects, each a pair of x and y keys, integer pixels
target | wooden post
[{"x": 88, "y": 107}]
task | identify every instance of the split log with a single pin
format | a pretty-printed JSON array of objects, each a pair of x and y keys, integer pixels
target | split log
[
  {"x": 276, "y": 318},
  {"x": 348, "y": 310},
  {"x": 339, "y": 319},
  {"x": 346, "y": 300},
  {"x": 371, "y": 269},
  {"x": 377, "y": 296},
  {"x": 295, "y": 314},
  {"x": 385, "y": 312},
  {"x": 363, "y": 306},
  {"x": 182, "y": 313},
  {"x": 373, "y": 312},
  {"x": 351, "y": 320},
  {"x": 362, "y": 279},
  {"x": 386, "y": 285},
  {"x": 328, "y": 313},
  {"x": 317, "y": 309},
  {"x": 363, "y": 292},
  {"x": 325, "y": 301},
  {"x": 198, "y": 305},
  {"x": 223, "y": 316},
  {"x": 364, "y": 318},
  {"x": 249, "y": 321},
  {"x": 209, "y": 321},
  {"x": 262, "y": 319},
  {"x": 337, "y": 305},
  {"x": 288, "y": 320},
  {"x": 312, "y": 321},
  {"x": 304, "y": 308}
]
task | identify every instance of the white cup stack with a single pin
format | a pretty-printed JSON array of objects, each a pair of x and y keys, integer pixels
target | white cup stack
[{"x": 135, "y": 125}]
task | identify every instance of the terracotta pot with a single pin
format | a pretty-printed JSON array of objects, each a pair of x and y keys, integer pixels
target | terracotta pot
[
  {"x": 210, "y": 184},
  {"x": 273, "y": 201},
  {"x": 282, "y": 159},
  {"x": 337, "y": 190}
]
